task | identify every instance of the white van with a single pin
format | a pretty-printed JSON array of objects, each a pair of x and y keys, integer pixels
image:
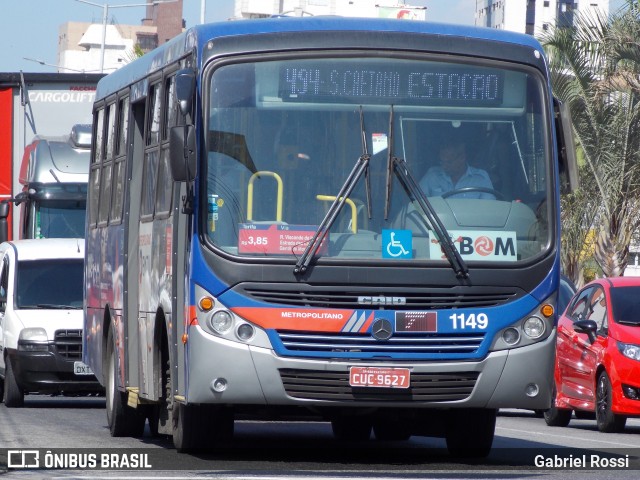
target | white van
[{"x": 41, "y": 319}]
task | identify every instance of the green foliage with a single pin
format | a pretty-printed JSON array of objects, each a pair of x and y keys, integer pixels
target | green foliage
[{"x": 595, "y": 67}]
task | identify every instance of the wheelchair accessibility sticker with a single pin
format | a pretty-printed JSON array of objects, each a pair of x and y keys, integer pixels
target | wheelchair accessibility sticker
[{"x": 396, "y": 244}]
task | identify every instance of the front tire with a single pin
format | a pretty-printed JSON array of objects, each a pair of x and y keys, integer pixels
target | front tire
[
  {"x": 201, "y": 427},
  {"x": 351, "y": 428},
  {"x": 607, "y": 421},
  {"x": 392, "y": 430},
  {"x": 123, "y": 420},
  {"x": 470, "y": 432},
  {"x": 557, "y": 417},
  {"x": 13, "y": 394}
]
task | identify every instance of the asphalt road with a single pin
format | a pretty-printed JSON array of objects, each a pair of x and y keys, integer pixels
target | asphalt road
[{"x": 75, "y": 430}]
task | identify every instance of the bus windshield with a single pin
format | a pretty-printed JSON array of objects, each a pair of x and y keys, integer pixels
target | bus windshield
[{"x": 285, "y": 135}]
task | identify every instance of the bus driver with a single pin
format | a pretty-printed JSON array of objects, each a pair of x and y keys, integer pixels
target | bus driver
[{"x": 454, "y": 173}]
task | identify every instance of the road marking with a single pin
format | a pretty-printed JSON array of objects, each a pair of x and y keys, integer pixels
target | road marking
[{"x": 581, "y": 439}]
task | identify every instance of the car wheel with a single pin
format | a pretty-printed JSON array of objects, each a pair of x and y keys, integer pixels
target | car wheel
[
  {"x": 607, "y": 421},
  {"x": 557, "y": 417},
  {"x": 13, "y": 394}
]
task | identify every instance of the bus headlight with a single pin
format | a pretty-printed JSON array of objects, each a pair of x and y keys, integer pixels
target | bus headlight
[
  {"x": 533, "y": 327},
  {"x": 245, "y": 331},
  {"x": 511, "y": 336},
  {"x": 221, "y": 321}
]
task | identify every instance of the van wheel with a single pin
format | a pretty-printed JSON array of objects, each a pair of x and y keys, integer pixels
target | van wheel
[
  {"x": 607, "y": 421},
  {"x": 470, "y": 432},
  {"x": 123, "y": 420},
  {"x": 14, "y": 396}
]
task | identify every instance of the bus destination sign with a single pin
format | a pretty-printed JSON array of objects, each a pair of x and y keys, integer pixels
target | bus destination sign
[{"x": 427, "y": 84}]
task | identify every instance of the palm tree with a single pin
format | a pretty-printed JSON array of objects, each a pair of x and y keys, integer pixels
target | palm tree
[{"x": 595, "y": 66}]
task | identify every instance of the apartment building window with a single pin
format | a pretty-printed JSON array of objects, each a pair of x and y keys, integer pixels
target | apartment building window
[{"x": 147, "y": 42}]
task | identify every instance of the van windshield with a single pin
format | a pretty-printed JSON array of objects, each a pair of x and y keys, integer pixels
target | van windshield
[{"x": 49, "y": 284}]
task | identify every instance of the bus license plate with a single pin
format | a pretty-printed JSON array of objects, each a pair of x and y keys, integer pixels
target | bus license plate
[
  {"x": 80, "y": 368},
  {"x": 379, "y": 377}
]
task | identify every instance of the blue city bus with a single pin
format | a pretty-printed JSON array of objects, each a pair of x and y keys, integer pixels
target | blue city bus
[{"x": 263, "y": 237}]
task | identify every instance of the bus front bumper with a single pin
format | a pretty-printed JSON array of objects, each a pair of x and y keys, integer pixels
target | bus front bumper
[{"x": 233, "y": 373}]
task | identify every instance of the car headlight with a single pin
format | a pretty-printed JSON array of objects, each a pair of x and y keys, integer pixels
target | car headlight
[
  {"x": 33, "y": 340},
  {"x": 629, "y": 350},
  {"x": 33, "y": 335}
]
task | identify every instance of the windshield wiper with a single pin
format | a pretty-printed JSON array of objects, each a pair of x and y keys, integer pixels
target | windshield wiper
[
  {"x": 361, "y": 166},
  {"x": 399, "y": 167},
  {"x": 49, "y": 306},
  {"x": 628, "y": 322}
]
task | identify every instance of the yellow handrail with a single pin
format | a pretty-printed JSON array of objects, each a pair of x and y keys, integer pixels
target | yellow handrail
[
  {"x": 265, "y": 173},
  {"x": 348, "y": 201}
]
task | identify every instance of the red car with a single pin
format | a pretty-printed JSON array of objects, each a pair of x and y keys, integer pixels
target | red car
[{"x": 597, "y": 372}]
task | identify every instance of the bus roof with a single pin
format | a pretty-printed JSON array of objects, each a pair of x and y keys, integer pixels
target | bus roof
[{"x": 197, "y": 37}]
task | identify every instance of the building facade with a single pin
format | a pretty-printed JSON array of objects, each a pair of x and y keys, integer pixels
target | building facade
[
  {"x": 81, "y": 49},
  {"x": 533, "y": 16},
  {"x": 347, "y": 8}
]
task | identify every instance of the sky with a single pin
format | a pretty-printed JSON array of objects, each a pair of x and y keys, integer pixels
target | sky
[{"x": 29, "y": 28}]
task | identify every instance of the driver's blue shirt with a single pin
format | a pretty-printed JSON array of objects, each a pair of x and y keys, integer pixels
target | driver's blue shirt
[{"x": 436, "y": 182}]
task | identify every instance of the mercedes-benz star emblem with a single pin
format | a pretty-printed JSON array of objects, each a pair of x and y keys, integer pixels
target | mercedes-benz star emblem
[{"x": 381, "y": 329}]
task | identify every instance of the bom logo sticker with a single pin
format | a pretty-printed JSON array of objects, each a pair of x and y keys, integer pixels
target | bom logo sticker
[
  {"x": 484, "y": 246},
  {"x": 476, "y": 245}
]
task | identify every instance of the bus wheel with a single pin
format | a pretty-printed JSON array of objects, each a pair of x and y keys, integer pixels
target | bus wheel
[
  {"x": 470, "y": 432},
  {"x": 123, "y": 420},
  {"x": 13, "y": 395},
  {"x": 352, "y": 429},
  {"x": 201, "y": 427},
  {"x": 392, "y": 430}
]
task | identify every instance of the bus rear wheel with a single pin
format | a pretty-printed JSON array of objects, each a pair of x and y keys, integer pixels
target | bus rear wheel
[
  {"x": 470, "y": 431},
  {"x": 123, "y": 420}
]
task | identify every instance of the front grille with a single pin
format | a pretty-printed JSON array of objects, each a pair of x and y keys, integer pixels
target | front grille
[
  {"x": 365, "y": 343},
  {"x": 68, "y": 344},
  {"x": 424, "y": 387},
  {"x": 346, "y": 296}
]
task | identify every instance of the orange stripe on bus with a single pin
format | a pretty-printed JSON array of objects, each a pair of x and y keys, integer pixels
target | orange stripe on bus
[
  {"x": 193, "y": 316},
  {"x": 367, "y": 324},
  {"x": 316, "y": 320}
]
